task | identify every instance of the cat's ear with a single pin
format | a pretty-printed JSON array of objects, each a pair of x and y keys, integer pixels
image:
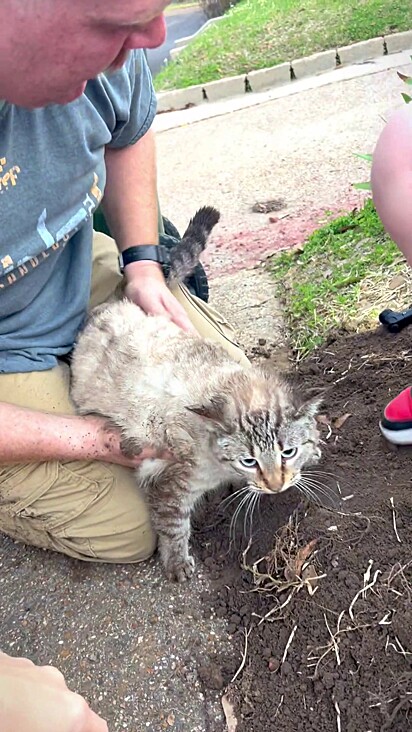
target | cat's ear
[
  {"x": 213, "y": 409},
  {"x": 312, "y": 404}
]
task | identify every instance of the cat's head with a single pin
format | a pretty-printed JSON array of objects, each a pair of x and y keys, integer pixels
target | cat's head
[{"x": 262, "y": 432}]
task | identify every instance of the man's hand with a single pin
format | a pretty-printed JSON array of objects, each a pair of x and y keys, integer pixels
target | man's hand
[
  {"x": 109, "y": 448},
  {"x": 147, "y": 288},
  {"x": 36, "y": 699}
]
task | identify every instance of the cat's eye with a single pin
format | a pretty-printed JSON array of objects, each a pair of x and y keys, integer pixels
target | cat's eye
[
  {"x": 248, "y": 462},
  {"x": 289, "y": 453}
]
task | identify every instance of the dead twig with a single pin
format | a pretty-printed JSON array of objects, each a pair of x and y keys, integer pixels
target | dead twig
[
  {"x": 362, "y": 592},
  {"x": 395, "y": 528},
  {"x": 338, "y": 716},
  {"x": 247, "y": 633},
  {"x": 288, "y": 568},
  {"x": 398, "y": 571},
  {"x": 229, "y": 712},
  {"x": 333, "y": 643},
  {"x": 389, "y": 722},
  {"x": 367, "y": 576},
  {"x": 279, "y": 705},
  {"x": 398, "y": 648},
  {"x": 288, "y": 644},
  {"x": 277, "y": 608},
  {"x": 333, "y": 638}
]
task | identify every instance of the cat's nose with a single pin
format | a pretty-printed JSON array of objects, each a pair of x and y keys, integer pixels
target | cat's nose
[
  {"x": 279, "y": 481},
  {"x": 272, "y": 482}
]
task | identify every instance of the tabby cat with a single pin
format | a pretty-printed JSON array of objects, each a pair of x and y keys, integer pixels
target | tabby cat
[{"x": 224, "y": 423}]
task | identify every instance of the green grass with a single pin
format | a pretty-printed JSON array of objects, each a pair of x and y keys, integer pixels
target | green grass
[
  {"x": 345, "y": 274},
  {"x": 259, "y": 33}
]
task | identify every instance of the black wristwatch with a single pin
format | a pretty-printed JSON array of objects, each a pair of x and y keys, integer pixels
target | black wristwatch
[{"x": 152, "y": 252}]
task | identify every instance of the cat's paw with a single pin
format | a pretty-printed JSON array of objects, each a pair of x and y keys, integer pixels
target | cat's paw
[{"x": 180, "y": 570}]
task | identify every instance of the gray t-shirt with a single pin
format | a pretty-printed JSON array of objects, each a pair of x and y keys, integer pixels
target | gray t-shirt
[{"x": 52, "y": 176}]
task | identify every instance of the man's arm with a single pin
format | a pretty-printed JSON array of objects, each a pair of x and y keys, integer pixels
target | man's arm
[
  {"x": 30, "y": 436},
  {"x": 130, "y": 206}
]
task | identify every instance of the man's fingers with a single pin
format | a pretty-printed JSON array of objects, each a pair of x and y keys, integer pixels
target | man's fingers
[
  {"x": 186, "y": 325},
  {"x": 179, "y": 317}
]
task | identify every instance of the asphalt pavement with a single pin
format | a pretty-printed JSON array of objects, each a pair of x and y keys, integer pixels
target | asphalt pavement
[{"x": 180, "y": 23}]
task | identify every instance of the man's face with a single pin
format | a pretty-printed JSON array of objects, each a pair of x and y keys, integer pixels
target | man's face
[{"x": 56, "y": 46}]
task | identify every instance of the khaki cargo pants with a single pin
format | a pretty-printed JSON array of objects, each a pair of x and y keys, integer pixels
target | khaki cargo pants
[{"x": 87, "y": 510}]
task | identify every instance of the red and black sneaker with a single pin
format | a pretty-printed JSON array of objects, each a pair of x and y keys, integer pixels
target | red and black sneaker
[{"x": 396, "y": 425}]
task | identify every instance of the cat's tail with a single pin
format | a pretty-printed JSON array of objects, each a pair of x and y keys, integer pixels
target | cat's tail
[{"x": 185, "y": 255}]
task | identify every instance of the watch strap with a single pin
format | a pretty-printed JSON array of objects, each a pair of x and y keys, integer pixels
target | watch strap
[{"x": 149, "y": 252}]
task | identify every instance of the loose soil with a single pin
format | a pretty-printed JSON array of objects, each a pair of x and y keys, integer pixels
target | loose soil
[{"x": 340, "y": 658}]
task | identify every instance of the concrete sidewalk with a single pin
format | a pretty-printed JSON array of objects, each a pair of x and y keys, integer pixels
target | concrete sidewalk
[
  {"x": 298, "y": 147},
  {"x": 128, "y": 640}
]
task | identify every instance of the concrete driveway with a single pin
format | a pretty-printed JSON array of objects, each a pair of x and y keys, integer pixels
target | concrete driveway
[{"x": 180, "y": 23}]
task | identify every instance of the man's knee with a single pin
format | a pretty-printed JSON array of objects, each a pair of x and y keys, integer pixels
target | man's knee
[
  {"x": 115, "y": 529},
  {"x": 88, "y": 511},
  {"x": 137, "y": 544}
]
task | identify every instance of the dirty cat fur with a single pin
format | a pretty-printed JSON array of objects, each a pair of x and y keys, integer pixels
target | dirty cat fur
[{"x": 223, "y": 423}]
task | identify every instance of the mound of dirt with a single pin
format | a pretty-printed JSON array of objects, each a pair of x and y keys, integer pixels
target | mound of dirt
[{"x": 320, "y": 605}]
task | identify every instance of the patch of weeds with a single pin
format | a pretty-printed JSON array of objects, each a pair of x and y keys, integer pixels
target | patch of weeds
[{"x": 345, "y": 274}]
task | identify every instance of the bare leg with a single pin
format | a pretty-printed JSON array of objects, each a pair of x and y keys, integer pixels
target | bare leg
[{"x": 392, "y": 179}]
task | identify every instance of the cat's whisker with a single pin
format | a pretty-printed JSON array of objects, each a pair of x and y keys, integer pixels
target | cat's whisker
[
  {"x": 312, "y": 497},
  {"x": 317, "y": 477},
  {"x": 321, "y": 488},
  {"x": 321, "y": 498},
  {"x": 314, "y": 475},
  {"x": 314, "y": 481},
  {"x": 249, "y": 512},
  {"x": 248, "y": 507},
  {"x": 247, "y": 501},
  {"x": 257, "y": 498},
  {"x": 311, "y": 478},
  {"x": 316, "y": 491},
  {"x": 318, "y": 472},
  {"x": 309, "y": 493},
  {"x": 235, "y": 516},
  {"x": 225, "y": 502}
]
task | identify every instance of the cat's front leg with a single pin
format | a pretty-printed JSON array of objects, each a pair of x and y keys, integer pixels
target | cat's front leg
[
  {"x": 174, "y": 552},
  {"x": 171, "y": 501}
]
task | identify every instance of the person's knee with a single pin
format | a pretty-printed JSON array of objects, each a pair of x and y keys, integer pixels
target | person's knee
[
  {"x": 115, "y": 528},
  {"x": 137, "y": 545},
  {"x": 123, "y": 547},
  {"x": 392, "y": 157}
]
